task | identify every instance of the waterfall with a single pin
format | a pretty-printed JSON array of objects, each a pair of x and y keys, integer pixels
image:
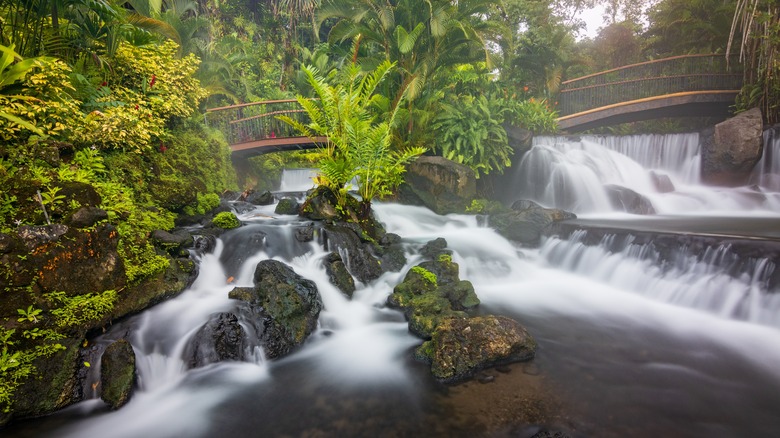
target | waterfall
[
  {"x": 596, "y": 174},
  {"x": 297, "y": 180},
  {"x": 634, "y": 340}
]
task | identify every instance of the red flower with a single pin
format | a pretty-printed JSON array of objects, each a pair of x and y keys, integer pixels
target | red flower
[
  {"x": 153, "y": 81},
  {"x": 163, "y": 148},
  {"x": 104, "y": 84},
  {"x": 525, "y": 89},
  {"x": 136, "y": 107}
]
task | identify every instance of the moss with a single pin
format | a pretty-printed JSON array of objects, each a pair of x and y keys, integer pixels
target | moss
[
  {"x": 226, "y": 220},
  {"x": 427, "y": 275}
]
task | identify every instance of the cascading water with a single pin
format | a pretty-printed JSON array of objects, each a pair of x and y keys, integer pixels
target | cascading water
[
  {"x": 584, "y": 175},
  {"x": 633, "y": 341}
]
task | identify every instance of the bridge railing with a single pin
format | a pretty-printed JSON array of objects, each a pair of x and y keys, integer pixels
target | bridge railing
[
  {"x": 677, "y": 74},
  {"x": 249, "y": 122}
]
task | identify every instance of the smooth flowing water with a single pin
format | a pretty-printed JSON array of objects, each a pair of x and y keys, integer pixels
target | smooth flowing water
[{"x": 631, "y": 344}]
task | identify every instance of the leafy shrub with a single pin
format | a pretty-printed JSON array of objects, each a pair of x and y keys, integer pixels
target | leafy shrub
[
  {"x": 468, "y": 131},
  {"x": 533, "y": 115}
]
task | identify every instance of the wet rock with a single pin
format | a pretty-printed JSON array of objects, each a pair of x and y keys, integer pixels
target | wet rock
[
  {"x": 338, "y": 274},
  {"x": 287, "y": 304},
  {"x": 257, "y": 198},
  {"x": 661, "y": 182},
  {"x": 628, "y": 200},
  {"x": 173, "y": 243},
  {"x": 205, "y": 244},
  {"x": 460, "y": 347},
  {"x": 287, "y": 206},
  {"x": 86, "y": 217},
  {"x": 432, "y": 292},
  {"x": 526, "y": 226},
  {"x": 305, "y": 233},
  {"x": 222, "y": 338},
  {"x": 117, "y": 373},
  {"x": 361, "y": 262},
  {"x": 439, "y": 184},
  {"x": 732, "y": 149},
  {"x": 320, "y": 205},
  {"x": 391, "y": 253},
  {"x": 434, "y": 248},
  {"x": 242, "y": 207},
  {"x": 524, "y": 204}
]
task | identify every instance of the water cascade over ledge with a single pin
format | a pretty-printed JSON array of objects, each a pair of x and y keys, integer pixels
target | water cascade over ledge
[{"x": 637, "y": 337}]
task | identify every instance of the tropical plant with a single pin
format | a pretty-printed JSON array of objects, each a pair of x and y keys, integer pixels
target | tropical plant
[
  {"x": 759, "y": 21},
  {"x": 358, "y": 143}
]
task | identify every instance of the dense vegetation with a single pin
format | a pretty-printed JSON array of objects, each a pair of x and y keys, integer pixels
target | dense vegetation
[{"x": 110, "y": 93}]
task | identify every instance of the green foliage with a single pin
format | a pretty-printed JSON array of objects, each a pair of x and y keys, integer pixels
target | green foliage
[
  {"x": 358, "y": 144},
  {"x": 469, "y": 132},
  {"x": 485, "y": 206},
  {"x": 427, "y": 275},
  {"x": 226, "y": 220},
  {"x": 81, "y": 309},
  {"x": 16, "y": 360},
  {"x": 39, "y": 99},
  {"x": 30, "y": 314},
  {"x": 534, "y": 115},
  {"x": 206, "y": 203}
]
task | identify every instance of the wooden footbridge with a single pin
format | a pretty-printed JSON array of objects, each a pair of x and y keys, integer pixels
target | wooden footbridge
[
  {"x": 680, "y": 86},
  {"x": 253, "y": 128},
  {"x": 691, "y": 85}
]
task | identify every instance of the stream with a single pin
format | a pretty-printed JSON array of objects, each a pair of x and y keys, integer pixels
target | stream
[{"x": 632, "y": 342}]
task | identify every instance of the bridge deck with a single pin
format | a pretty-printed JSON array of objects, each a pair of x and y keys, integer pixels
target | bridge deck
[
  {"x": 714, "y": 103},
  {"x": 259, "y": 147}
]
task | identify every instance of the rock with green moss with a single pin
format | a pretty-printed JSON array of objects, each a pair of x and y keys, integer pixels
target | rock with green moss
[
  {"x": 432, "y": 292},
  {"x": 226, "y": 220},
  {"x": 338, "y": 275},
  {"x": 460, "y": 347},
  {"x": 287, "y": 206},
  {"x": 117, "y": 373},
  {"x": 284, "y": 306}
]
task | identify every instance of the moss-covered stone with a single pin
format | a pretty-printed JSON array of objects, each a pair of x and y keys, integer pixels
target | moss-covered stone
[
  {"x": 226, "y": 220},
  {"x": 117, "y": 373},
  {"x": 432, "y": 292},
  {"x": 461, "y": 346},
  {"x": 287, "y": 206}
]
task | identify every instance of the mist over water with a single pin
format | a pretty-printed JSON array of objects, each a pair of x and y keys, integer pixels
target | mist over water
[{"x": 632, "y": 343}]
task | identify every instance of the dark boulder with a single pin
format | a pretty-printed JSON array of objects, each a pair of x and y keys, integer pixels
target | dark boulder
[
  {"x": 205, "y": 244},
  {"x": 732, "y": 149},
  {"x": 526, "y": 226},
  {"x": 439, "y": 184},
  {"x": 72, "y": 260},
  {"x": 257, "y": 198},
  {"x": 84, "y": 194},
  {"x": 391, "y": 253},
  {"x": 305, "y": 233},
  {"x": 221, "y": 339},
  {"x": 287, "y": 206},
  {"x": 361, "y": 262},
  {"x": 242, "y": 207},
  {"x": 459, "y": 347},
  {"x": 86, "y": 217},
  {"x": 434, "y": 248},
  {"x": 117, "y": 373},
  {"x": 627, "y": 200},
  {"x": 338, "y": 274},
  {"x": 287, "y": 305},
  {"x": 174, "y": 243}
]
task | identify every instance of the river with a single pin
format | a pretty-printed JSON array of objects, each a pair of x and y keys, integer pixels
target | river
[{"x": 633, "y": 342}]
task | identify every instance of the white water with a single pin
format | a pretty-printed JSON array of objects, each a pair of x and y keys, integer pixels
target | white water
[
  {"x": 634, "y": 308},
  {"x": 572, "y": 175}
]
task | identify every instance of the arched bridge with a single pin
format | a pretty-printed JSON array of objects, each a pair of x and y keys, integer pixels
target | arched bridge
[
  {"x": 689, "y": 85},
  {"x": 253, "y": 129}
]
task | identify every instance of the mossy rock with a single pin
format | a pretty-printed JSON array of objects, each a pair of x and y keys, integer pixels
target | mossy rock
[
  {"x": 287, "y": 206},
  {"x": 117, "y": 373},
  {"x": 226, "y": 220},
  {"x": 460, "y": 346}
]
